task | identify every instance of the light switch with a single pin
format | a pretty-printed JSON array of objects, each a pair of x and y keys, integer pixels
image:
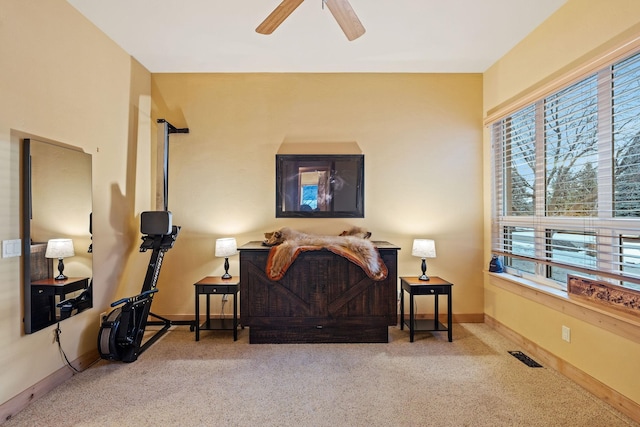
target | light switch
[{"x": 11, "y": 248}]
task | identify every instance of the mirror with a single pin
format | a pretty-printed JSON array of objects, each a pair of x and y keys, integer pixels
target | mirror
[
  {"x": 56, "y": 204},
  {"x": 319, "y": 186}
]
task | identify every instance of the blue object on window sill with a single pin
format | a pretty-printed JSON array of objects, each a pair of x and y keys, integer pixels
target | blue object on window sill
[{"x": 495, "y": 266}]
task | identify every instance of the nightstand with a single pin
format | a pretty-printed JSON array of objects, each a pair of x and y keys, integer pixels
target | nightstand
[
  {"x": 50, "y": 288},
  {"x": 435, "y": 287},
  {"x": 211, "y": 285}
]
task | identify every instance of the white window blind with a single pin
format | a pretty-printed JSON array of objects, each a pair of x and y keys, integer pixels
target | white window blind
[
  {"x": 567, "y": 180},
  {"x": 626, "y": 136},
  {"x": 571, "y": 150}
]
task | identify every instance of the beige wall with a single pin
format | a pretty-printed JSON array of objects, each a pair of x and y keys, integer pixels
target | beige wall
[
  {"x": 62, "y": 80},
  {"x": 420, "y": 135},
  {"x": 578, "y": 28},
  {"x": 570, "y": 34}
]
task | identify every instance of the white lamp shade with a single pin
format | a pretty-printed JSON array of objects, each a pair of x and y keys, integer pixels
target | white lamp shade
[
  {"x": 59, "y": 248},
  {"x": 226, "y": 247},
  {"x": 424, "y": 248}
]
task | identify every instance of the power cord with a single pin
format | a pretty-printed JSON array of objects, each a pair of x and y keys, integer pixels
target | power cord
[
  {"x": 224, "y": 301},
  {"x": 415, "y": 310},
  {"x": 57, "y": 332}
]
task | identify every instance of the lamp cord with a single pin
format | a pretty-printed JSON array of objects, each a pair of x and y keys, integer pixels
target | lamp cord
[
  {"x": 415, "y": 309},
  {"x": 222, "y": 307}
]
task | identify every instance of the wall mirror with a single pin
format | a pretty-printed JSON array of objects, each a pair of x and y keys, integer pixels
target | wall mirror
[
  {"x": 56, "y": 232},
  {"x": 319, "y": 186}
]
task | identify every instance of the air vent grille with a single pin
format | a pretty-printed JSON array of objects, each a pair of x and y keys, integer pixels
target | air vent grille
[{"x": 525, "y": 359}]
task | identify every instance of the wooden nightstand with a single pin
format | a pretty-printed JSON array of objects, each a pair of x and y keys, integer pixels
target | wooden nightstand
[
  {"x": 50, "y": 288},
  {"x": 436, "y": 287},
  {"x": 216, "y": 285}
]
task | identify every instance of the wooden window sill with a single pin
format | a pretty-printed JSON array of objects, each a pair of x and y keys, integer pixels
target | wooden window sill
[{"x": 616, "y": 322}]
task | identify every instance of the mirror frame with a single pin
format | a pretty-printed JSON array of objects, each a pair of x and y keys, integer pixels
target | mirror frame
[
  {"x": 283, "y": 161},
  {"x": 27, "y": 210}
]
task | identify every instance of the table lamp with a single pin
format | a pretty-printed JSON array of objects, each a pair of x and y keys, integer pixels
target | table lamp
[
  {"x": 60, "y": 248},
  {"x": 424, "y": 248},
  {"x": 226, "y": 247}
]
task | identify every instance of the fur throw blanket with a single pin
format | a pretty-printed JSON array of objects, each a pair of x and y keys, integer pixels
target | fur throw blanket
[{"x": 353, "y": 245}]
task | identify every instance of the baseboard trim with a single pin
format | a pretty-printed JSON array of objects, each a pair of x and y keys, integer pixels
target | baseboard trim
[
  {"x": 184, "y": 319},
  {"x": 36, "y": 391},
  {"x": 586, "y": 381}
]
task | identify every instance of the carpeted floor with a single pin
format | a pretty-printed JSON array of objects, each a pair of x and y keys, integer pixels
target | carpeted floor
[{"x": 472, "y": 381}]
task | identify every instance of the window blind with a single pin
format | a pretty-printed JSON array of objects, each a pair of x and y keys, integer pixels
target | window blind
[{"x": 567, "y": 180}]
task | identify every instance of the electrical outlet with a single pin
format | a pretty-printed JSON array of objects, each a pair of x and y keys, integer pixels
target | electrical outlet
[
  {"x": 225, "y": 297},
  {"x": 103, "y": 315},
  {"x": 566, "y": 333}
]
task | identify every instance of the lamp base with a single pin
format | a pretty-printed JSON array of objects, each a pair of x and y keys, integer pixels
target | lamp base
[
  {"x": 424, "y": 276},
  {"x": 60, "y": 270},
  {"x": 226, "y": 274}
]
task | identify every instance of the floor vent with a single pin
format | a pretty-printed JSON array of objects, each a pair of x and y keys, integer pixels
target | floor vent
[{"x": 525, "y": 359}]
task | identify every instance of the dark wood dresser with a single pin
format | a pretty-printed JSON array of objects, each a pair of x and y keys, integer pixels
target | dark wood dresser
[{"x": 322, "y": 298}]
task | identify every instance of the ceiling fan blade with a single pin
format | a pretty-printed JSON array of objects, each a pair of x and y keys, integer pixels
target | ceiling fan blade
[
  {"x": 278, "y": 16},
  {"x": 346, "y": 17}
]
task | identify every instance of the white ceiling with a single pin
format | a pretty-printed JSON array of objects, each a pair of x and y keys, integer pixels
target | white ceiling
[{"x": 434, "y": 36}]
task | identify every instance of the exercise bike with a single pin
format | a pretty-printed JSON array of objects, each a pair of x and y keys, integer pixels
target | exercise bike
[{"x": 122, "y": 330}]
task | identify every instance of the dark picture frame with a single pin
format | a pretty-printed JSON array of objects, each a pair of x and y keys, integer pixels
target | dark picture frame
[{"x": 319, "y": 186}]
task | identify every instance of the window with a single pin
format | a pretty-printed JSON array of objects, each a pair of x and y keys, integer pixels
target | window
[
  {"x": 309, "y": 196},
  {"x": 520, "y": 167},
  {"x": 569, "y": 248},
  {"x": 567, "y": 181},
  {"x": 519, "y": 241},
  {"x": 626, "y": 137},
  {"x": 630, "y": 258},
  {"x": 571, "y": 150}
]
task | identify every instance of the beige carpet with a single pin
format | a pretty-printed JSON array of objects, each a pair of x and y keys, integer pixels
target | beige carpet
[{"x": 217, "y": 382}]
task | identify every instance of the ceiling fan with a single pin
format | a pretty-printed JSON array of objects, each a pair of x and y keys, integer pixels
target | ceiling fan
[{"x": 340, "y": 9}]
